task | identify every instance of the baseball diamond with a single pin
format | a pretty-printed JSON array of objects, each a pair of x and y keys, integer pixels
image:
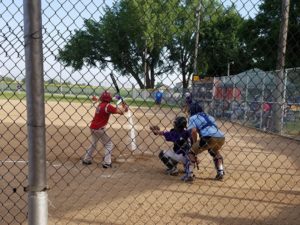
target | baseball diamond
[
  {"x": 134, "y": 112},
  {"x": 259, "y": 173}
]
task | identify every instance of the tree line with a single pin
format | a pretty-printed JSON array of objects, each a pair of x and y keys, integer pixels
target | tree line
[{"x": 146, "y": 39}]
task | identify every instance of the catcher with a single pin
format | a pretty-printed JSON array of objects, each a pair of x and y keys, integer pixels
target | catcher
[
  {"x": 211, "y": 138},
  {"x": 100, "y": 120},
  {"x": 180, "y": 152}
]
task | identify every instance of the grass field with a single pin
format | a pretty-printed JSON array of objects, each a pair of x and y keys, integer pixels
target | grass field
[{"x": 80, "y": 99}]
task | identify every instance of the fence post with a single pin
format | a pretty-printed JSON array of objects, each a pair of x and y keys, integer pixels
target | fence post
[
  {"x": 37, "y": 179},
  {"x": 284, "y": 102},
  {"x": 262, "y": 102},
  {"x": 197, "y": 38},
  {"x": 278, "y": 94},
  {"x": 246, "y": 98}
]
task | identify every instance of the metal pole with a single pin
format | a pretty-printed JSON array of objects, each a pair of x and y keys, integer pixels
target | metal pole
[
  {"x": 228, "y": 69},
  {"x": 196, "y": 48},
  {"x": 262, "y": 102},
  {"x": 278, "y": 93},
  {"x": 284, "y": 101},
  {"x": 213, "y": 95},
  {"x": 246, "y": 98},
  {"x": 145, "y": 64},
  {"x": 197, "y": 38},
  {"x": 60, "y": 79},
  {"x": 37, "y": 179}
]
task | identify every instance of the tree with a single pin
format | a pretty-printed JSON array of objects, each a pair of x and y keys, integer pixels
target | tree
[
  {"x": 219, "y": 42},
  {"x": 130, "y": 37},
  {"x": 145, "y": 39},
  {"x": 260, "y": 35},
  {"x": 6, "y": 79},
  {"x": 52, "y": 81}
]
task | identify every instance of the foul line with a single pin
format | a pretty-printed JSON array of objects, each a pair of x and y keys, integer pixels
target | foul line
[
  {"x": 26, "y": 162},
  {"x": 14, "y": 161}
]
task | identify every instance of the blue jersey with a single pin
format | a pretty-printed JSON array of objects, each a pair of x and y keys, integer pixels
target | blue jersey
[
  {"x": 158, "y": 95},
  {"x": 205, "y": 125},
  {"x": 181, "y": 140}
]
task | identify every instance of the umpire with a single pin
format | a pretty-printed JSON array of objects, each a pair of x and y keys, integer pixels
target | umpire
[{"x": 211, "y": 138}]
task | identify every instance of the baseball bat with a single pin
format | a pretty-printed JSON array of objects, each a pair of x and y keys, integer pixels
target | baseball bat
[
  {"x": 114, "y": 82},
  {"x": 116, "y": 87}
]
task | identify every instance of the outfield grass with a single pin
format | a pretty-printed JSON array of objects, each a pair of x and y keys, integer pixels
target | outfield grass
[
  {"x": 293, "y": 128},
  {"x": 80, "y": 99}
]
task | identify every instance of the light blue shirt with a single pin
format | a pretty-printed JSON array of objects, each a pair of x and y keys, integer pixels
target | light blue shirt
[{"x": 197, "y": 121}]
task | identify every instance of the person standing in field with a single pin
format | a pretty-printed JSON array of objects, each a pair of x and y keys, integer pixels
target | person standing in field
[
  {"x": 158, "y": 97},
  {"x": 266, "y": 115},
  {"x": 210, "y": 137},
  {"x": 188, "y": 102},
  {"x": 98, "y": 130}
]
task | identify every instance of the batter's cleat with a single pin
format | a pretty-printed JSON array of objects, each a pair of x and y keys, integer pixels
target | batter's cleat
[
  {"x": 219, "y": 176},
  {"x": 187, "y": 178},
  {"x": 106, "y": 165},
  {"x": 173, "y": 171},
  {"x": 86, "y": 162}
]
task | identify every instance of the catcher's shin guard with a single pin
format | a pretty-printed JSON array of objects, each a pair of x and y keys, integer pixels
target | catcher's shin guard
[
  {"x": 218, "y": 161},
  {"x": 170, "y": 163}
]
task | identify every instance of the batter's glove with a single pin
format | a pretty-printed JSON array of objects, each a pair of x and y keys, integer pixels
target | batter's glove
[
  {"x": 94, "y": 98},
  {"x": 125, "y": 106},
  {"x": 155, "y": 129}
]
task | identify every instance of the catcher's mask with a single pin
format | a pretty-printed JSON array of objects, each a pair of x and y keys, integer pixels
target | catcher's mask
[
  {"x": 105, "y": 97},
  {"x": 180, "y": 123},
  {"x": 195, "y": 108}
]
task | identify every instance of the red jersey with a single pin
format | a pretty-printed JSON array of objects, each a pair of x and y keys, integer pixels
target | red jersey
[
  {"x": 266, "y": 107},
  {"x": 102, "y": 114}
]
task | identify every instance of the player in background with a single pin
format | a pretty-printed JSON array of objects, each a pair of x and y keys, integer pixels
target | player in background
[
  {"x": 210, "y": 137},
  {"x": 188, "y": 102},
  {"x": 158, "y": 97},
  {"x": 98, "y": 130},
  {"x": 182, "y": 144}
]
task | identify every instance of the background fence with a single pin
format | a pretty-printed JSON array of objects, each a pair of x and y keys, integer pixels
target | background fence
[
  {"x": 150, "y": 46},
  {"x": 248, "y": 98}
]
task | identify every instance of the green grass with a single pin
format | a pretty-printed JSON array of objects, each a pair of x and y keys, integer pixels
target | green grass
[
  {"x": 78, "y": 98},
  {"x": 293, "y": 128}
]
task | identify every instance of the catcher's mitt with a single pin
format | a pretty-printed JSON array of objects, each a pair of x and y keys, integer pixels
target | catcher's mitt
[{"x": 155, "y": 129}]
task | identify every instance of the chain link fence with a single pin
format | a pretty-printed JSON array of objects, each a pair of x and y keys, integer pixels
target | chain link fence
[
  {"x": 247, "y": 98},
  {"x": 149, "y": 47}
]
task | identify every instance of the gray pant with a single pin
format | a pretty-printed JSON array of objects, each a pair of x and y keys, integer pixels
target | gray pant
[{"x": 100, "y": 135}]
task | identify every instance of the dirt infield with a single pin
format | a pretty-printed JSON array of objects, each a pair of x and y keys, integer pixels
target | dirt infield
[{"x": 261, "y": 186}]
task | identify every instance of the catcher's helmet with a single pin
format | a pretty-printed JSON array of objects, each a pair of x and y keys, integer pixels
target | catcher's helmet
[
  {"x": 105, "y": 97},
  {"x": 195, "y": 108},
  {"x": 180, "y": 123}
]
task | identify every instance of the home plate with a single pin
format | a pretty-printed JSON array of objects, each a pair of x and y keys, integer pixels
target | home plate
[{"x": 122, "y": 159}]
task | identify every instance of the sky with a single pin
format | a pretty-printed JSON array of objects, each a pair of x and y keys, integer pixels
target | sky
[{"x": 60, "y": 18}]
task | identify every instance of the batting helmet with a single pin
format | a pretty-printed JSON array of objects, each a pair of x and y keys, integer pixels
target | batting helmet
[
  {"x": 187, "y": 94},
  {"x": 180, "y": 123},
  {"x": 195, "y": 108},
  {"x": 105, "y": 97}
]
